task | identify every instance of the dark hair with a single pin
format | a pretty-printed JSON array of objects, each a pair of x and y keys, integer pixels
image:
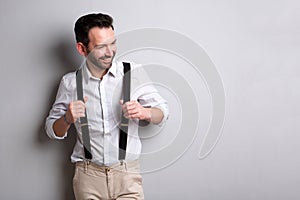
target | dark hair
[{"x": 86, "y": 22}]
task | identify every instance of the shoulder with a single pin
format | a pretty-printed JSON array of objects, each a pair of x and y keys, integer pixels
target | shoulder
[
  {"x": 139, "y": 75},
  {"x": 68, "y": 81}
]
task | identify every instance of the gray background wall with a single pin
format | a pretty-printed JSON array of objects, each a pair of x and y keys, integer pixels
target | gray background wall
[{"x": 253, "y": 44}]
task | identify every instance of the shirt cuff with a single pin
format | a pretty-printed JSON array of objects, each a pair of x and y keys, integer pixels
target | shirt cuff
[{"x": 165, "y": 110}]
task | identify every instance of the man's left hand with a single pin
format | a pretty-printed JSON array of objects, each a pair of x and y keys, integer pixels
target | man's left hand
[{"x": 134, "y": 110}]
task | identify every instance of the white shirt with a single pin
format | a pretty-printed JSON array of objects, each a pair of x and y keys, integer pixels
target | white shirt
[{"x": 104, "y": 111}]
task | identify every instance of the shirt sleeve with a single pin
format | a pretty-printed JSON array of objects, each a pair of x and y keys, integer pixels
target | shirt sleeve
[
  {"x": 59, "y": 108},
  {"x": 144, "y": 91}
]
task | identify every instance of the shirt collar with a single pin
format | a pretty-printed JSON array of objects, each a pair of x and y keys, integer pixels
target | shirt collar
[
  {"x": 113, "y": 69},
  {"x": 87, "y": 74}
]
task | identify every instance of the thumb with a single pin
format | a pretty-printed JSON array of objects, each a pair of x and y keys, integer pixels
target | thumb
[
  {"x": 121, "y": 102},
  {"x": 85, "y": 99}
]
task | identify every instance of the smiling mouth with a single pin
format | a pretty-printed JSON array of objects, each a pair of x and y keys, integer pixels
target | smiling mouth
[{"x": 107, "y": 61}]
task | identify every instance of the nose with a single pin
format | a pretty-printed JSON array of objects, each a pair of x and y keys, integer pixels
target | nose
[{"x": 109, "y": 51}]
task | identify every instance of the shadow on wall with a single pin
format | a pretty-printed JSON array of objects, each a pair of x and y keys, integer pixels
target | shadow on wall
[{"x": 64, "y": 53}]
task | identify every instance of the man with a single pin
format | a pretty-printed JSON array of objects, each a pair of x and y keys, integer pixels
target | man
[{"x": 104, "y": 176}]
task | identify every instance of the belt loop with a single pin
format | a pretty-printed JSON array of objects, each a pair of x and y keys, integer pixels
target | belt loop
[
  {"x": 123, "y": 164},
  {"x": 86, "y": 164}
]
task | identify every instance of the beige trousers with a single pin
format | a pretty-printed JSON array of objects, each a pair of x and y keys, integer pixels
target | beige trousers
[{"x": 118, "y": 182}]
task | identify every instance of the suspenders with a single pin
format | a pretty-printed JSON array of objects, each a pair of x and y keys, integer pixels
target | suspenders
[
  {"x": 124, "y": 121},
  {"x": 83, "y": 120}
]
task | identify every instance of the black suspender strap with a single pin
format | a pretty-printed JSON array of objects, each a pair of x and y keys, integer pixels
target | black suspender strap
[
  {"x": 124, "y": 121},
  {"x": 83, "y": 120}
]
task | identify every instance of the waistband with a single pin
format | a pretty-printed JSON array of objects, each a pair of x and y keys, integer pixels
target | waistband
[{"x": 130, "y": 166}]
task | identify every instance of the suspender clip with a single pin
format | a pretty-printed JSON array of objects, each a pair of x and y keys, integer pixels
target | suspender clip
[
  {"x": 84, "y": 124},
  {"x": 86, "y": 164}
]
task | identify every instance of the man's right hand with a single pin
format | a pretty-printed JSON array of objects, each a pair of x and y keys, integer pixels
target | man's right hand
[{"x": 76, "y": 109}]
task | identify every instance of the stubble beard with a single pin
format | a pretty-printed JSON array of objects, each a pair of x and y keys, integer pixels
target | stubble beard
[{"x": 97, "y": 62}]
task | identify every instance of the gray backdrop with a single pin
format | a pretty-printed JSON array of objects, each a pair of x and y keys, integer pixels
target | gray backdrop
[{"x": 253, "y": 45}]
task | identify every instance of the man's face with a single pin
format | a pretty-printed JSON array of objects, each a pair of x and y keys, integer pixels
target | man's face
[{"x": 102, "y": 47}]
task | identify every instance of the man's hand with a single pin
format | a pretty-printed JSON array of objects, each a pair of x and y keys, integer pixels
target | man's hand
[
  {"x": 134, "y": 110},
  {"x": 76, "y": 109}
]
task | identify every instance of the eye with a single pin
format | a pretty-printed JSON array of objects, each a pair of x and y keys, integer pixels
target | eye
[
  {"x": 114, "y": 42},
  {"x": 100, "y": 47}
]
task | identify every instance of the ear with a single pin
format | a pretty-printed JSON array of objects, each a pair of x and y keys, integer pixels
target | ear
[{"x": 81, "y": 49}]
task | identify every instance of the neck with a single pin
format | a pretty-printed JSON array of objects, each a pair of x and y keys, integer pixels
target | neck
[{"x": 96, "y": 71}]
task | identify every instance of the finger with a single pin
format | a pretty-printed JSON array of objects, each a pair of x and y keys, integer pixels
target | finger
[
  {"x": 130, "y": 111},
  {"x": 134, "y": 116},
  {"x": 130, "y": 102},
  {"x": 77, "y": 105},
  {"x": 78, "y": 108},
  {"x": 78, "y": 111},
  {"x": 127, "y": 106},
  {"x": 131, "y": 105},
  {"x": 85, "y": 99},
  {"x": 133, "y": 111},
  {"x": 80, "y": 105},
  {"x": 126, "y": 115},
  {"x": 81, "y": 114}
]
